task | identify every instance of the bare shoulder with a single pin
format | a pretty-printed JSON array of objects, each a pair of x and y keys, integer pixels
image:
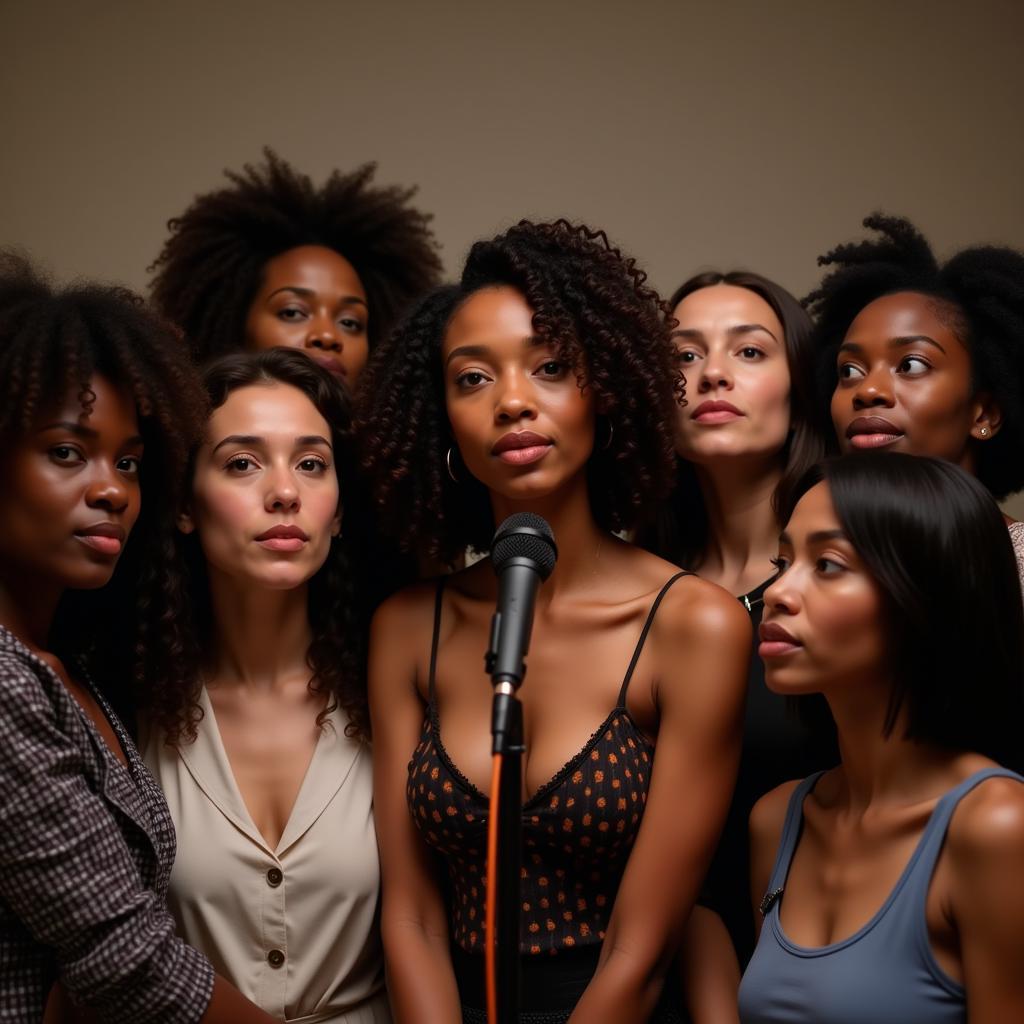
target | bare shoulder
[
  {"x": 693, "y": 607},
  {"x": 769, "y": 814},
  {"x": 987, "y": 828},
  {"x": 406, "y": 610}
]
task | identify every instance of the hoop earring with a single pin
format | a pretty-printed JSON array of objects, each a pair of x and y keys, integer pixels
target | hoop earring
[
  {"x": 611, "y": 434},
  {"x": 448, "y": 463}
]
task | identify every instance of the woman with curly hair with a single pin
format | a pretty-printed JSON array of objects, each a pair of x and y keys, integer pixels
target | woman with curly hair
[
  {"x": 927, "y": 357},
  {"x": 744, "y": 345},
  {"x": 272, "y": 260},
  {"x": 257, "y": 718},
  {"x": 99, "y": 409},
  {"x": 543, "y": 382}
]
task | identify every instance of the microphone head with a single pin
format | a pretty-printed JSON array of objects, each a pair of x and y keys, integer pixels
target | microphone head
[{"x": 525, "y": 535}]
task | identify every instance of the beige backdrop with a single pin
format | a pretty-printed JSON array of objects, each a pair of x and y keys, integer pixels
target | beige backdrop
[{"x": 752, "y": 133}]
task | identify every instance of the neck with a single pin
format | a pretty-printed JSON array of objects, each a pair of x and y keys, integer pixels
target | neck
[
  {"x": 580, "y": 540},
  {"x": 875, "y": 768},
  {"x": 28, "y": 611},
  {"x": 742, "y": 529},
  {"x": 260, "y": 637}
]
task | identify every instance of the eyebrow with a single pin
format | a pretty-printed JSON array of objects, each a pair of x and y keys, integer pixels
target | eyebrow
[
  {"x": 818, "y": 537},
  {"x": 308, "y": 293},
  {"x": 736, "y": 329},
  {"x": 532, "y": 341},
  {"x": 253, "y": 439},
  {"x": 80, "y": 430},
  {"x": 902, "y": 341}
]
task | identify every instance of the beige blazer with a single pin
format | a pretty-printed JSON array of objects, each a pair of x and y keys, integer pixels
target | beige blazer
[{"x": 294, "y": 929}]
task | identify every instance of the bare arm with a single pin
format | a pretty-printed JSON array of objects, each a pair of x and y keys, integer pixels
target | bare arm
[
  {"x": 710, "y": 970},
  {"x": 985, "y": 846},
  {"x": 702, "y": 638},
  {"x": 766, "y": 822},
  {"x": 414, "y": 922}
]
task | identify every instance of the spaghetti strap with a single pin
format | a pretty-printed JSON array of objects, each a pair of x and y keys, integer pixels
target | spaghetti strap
[
  {"x": 433, "y": 643},
  {"x": 643, "y": 636}
]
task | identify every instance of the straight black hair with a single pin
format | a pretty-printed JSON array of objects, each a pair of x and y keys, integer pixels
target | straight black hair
[{"x": 936, "y": 544}]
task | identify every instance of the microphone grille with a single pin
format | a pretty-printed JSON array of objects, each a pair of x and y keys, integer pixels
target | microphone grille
[{"x": 525, "y": 535}]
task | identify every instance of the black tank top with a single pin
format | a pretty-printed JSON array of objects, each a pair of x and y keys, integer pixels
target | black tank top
[{"x": 578, "y": 828}]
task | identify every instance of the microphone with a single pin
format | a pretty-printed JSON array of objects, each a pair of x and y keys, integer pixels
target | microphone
[{"x": 523, "y": 554}]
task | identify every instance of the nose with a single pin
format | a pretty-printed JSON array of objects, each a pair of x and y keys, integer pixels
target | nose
[
  {"x": 714, "y": 373},
  {"x": 514, "y": 399},
  {"x": 874, "y": 389},
  {"x": 282, "y": 493},
  {"x": 783, "y": 595},
  {"x": 323, "y": 334},
  {"x": 108, "y": 491}
]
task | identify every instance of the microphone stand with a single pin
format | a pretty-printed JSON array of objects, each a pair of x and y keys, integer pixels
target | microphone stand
[{"x": 507, "y": 748}]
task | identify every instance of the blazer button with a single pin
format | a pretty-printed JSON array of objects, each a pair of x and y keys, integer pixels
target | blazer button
[
  {"x": 275, "y": 958},
  {"x": 275, "y": 876}
]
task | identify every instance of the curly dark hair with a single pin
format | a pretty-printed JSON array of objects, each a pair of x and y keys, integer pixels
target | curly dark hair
[
  {"x": 679, "y": 533},
  {"x": 984, "y": 288},
  {"x": 210, "y": 268},
  {"x": 178, "y": 616},
  {"x": 52, "y": 342},
  {"x": 588, "y": 300}
]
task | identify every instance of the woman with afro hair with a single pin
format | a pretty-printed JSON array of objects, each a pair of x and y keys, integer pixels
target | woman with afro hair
[
  {"x": 99, "y": 409},
  {"x": 543, "y": 382},
  {"x": 926, "y": 357},
  {"x": 271, "y": 260}
]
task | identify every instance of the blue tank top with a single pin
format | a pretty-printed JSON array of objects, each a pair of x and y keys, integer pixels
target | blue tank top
[{"x": 885, "y": 973}]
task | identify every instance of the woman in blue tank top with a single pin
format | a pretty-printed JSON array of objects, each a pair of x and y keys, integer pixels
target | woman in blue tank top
[{"x": 891, "y": 887}]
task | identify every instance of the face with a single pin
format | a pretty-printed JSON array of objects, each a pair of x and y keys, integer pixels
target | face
[
  {"x": 71, "y": 491},
  {"x": 732, "y": 351},
  {"x": 905, "y": 383},
  {"x": 823, "y": 626},
  {"x": 265, "y": 491},
  {"x": 311, "y": 299},
  {"x": 523, "y": 425}
]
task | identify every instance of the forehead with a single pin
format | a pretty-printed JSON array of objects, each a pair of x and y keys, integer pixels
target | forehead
[
  {"x": 906, "y": 314},
  {"x": 267, "y": 409},
  {"x": 814, "y": 513},
  {"x": 314, "y": 267},
  {"x": 102, "y": 403},
  {"x": 726, "y": 305},
  {"x": 490, "y": 316}
]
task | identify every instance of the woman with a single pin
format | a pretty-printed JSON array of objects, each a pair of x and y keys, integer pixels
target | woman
[
  {"x": 98, "y": 407},
  {"x": 542, "y": 382},
  {"x": 891, "y": 885},
  {"x": 271, "y": 260},
  {"x": 743, "y": 343},
  {"x": 258, "y": 712},
  {"x": 927, "y": 358}
]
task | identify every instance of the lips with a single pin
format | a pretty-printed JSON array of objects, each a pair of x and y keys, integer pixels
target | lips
[
  {"x": 520, "y": 448},
  {"x": 776, "y": 641},
  {"x": 283, "y": 538},
  {"x": 715, "y": 411},
  {"x": 106, "y": 538},
  {"x": 872, "y": 432},
  {"x": 331, "y": 365}
]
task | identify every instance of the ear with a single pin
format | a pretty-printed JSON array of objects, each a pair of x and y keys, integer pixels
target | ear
[
  {"x": 185, "y": 522},
  {"x": 987, "y": 417},
  {"x": 336, "y": 521}
]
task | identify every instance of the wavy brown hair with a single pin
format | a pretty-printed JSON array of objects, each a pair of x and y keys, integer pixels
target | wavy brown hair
[
  {"x": 591, "y": 302},
  {"x": 178, "y": 618},
  {"x": 210, "y": 268}
]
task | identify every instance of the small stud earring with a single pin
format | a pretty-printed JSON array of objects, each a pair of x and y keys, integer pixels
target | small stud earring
[
  {"x": 448, "y": 463},
  {"x": 983, "y": 431},
  {"x": 611, "y": 434}
]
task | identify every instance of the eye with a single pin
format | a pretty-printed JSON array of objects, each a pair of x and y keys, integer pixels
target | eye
[
  {"x": 313, "y": 464},
  {"x": 913, "y": 366},
  {"x": 552, "y": 368},
  {"x": 291, "y": 314},
  {"x": 241, "y": 464},
  {"x": 351, "y": 324},
  {"x": 781, "y": 565},
  {"x": 129, "y": 464},
  {"x": 750, "y": 352},
  {"x": 469, "y": 379},
  {"x": 828, "y": 567},
  {"x": 687, "y": 356},
  {"x": 66, "y": 455},
  {"x": 849, "y": 371}
]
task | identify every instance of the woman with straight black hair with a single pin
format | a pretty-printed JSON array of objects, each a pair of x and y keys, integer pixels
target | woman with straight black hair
[
  {"x": 890, "y": 886},
  {"x": 743, "y": 343}
]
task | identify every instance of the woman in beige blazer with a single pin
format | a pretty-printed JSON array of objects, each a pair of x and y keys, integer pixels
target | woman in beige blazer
[{"x": 255, "y": 726}]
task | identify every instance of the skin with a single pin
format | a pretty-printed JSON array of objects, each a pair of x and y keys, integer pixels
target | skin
[
  {"x": 731, "y": 348},
  {"x": 267, "y": 461},
  {"x": 70, "y": 472},
  {"x": 864, "y": 819},
  {"x": 687, "y": 690},
  {"x": 312, "y": 299},
  {"x": 903, "y": 360}
]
